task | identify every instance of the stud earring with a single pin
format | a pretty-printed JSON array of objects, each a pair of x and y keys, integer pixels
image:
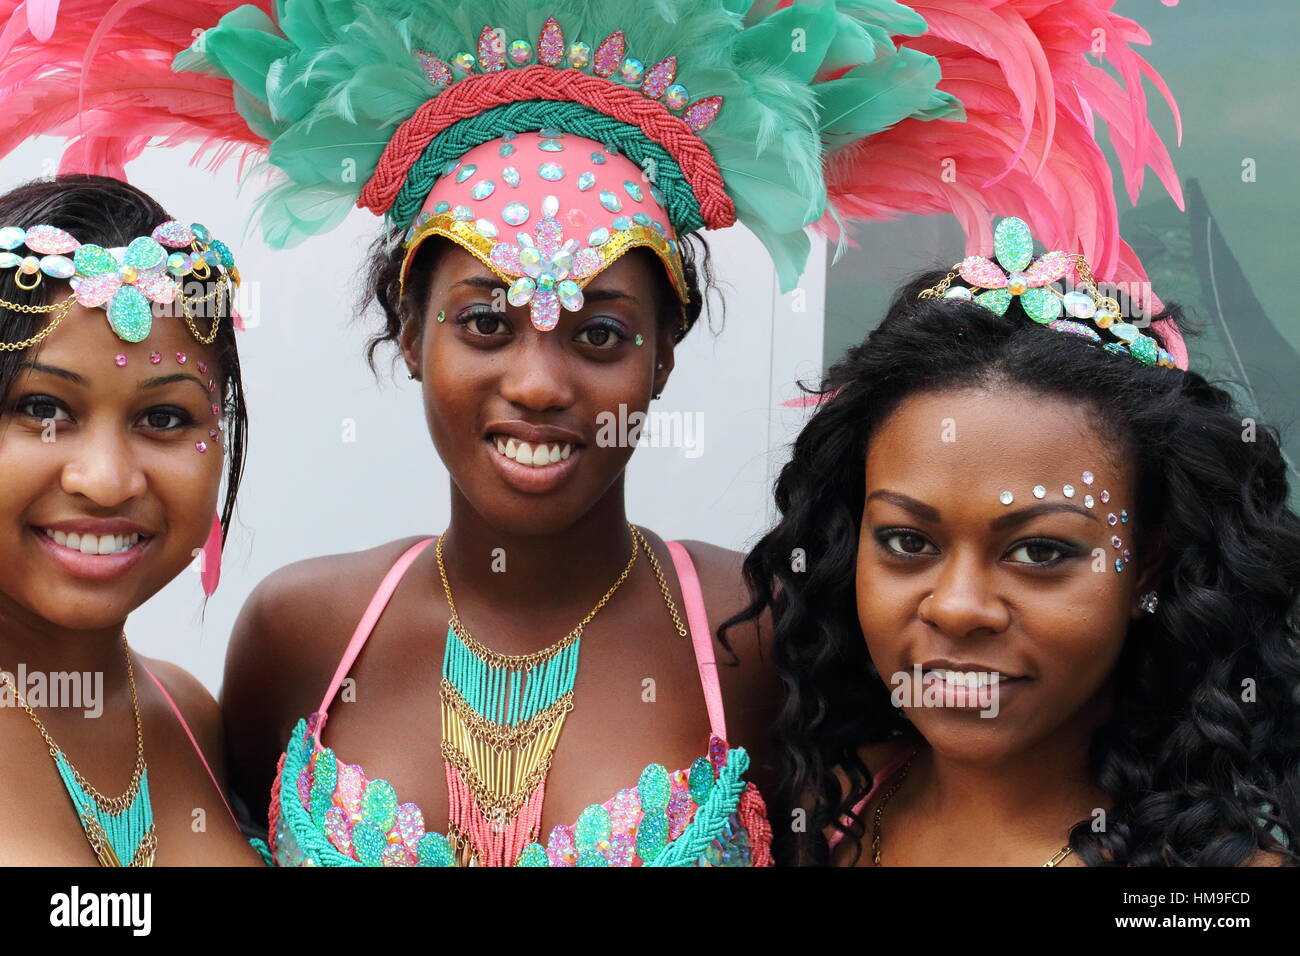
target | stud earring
[
  {"x": 1149, "y": 602},
  {"x": 442, "y": 317},
  {"x": 639, "y": 340}
]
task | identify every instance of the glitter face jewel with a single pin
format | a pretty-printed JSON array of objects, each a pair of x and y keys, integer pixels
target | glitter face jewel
[
  {"x": 1006, "y": 497},
  {"x": 1068, "y": 491},
  {"x": 639, "y": 340},
  {"x": 181, "y": 358},
  {"x": 202, "y": 446},
  {"x": 119, "y": 360},
  {"x": 442, "y": 315},
  {"x": 155, "y": 358},
  {"x": 1087, "y": 478},
  {"x": 1040, "y": 491},
  {"x": 1089, "y": 501},
  {"x": 202, "y": 367}
]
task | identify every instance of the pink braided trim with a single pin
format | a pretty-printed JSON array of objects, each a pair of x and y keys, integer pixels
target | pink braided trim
[
  {"x": 753, "y": 817},
  {"x": 475, "y": 94}
]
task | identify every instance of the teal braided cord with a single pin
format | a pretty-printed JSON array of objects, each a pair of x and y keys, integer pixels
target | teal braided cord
[
  {"x": 457, "y": 139},
  {"x": 262, "y": 849},
  {"x": 311, "y": 839},
  {"x": 711, "y": 817}
]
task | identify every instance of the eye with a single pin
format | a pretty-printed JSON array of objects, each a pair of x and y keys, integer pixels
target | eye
[
  {"x": 603, "y": 334},
  {"x": 41, "y": 407},
  {"x": 904, "y": 543},
  {"x": 482, "y": 321},
  {"x": 1042, "y": 552},
  {"x": 167, "y": 418}
]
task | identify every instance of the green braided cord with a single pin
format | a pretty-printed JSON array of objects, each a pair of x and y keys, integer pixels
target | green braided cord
[
  {"x": 311, "y": 839},
  {"x": 453, "y": 142},
  {"x": 262, "y": 850},
  {"x": 711, "y": 817}
]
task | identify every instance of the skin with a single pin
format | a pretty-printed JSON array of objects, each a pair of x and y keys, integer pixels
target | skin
[
  {"x": 564, "y": 549},
  {"x": 1016, "y": 588},
  {"x": 122, "y": 448}
]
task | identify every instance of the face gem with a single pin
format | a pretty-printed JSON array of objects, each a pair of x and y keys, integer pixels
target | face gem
[
  {"x": 1068, "y": 491},
  {"x": 119, "y": 360},
  {"x": 202, "y": 446},
  {"x": 1111, "y": 519},
  {"x": 1040, "y": 491},
  {"x": 202, "y": 367},
  {"x": 1105, "y": 496},
  {"x": 1087, "y": 478},
  {"x": 181, "y": 358},
  {"x": 155, "y": 358},
  {"x": 1088, "y": 501},
  {"x": 1006, "y": 497}
]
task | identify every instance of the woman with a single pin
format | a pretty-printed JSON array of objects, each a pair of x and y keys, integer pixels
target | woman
[
  {"x": 114, "y": 438},
  {"x": 1048, "y": 613}
]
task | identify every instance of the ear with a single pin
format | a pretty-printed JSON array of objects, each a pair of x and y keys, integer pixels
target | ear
[
  {"x": 411, "y": 341},
  {"x": 1148, "y": 576}
]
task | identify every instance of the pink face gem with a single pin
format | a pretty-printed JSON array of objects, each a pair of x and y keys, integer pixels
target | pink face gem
[
  {"x": 212, "y": 433},
  {"x": 155, "y": 358},
  {"x": 202, "y": 446},
  {"x": 609, "y": 54},
  {"x": 181, "y": 358},
  {"x": 702, "y": 112},
  {"x": 339, "y": 830},
  {"x": 119, "y": 360},
  {"x": 1087, "y": 477},
  {"x": 202, "y": 367},
  {"x": 211, "y": 385},
  {"x": 550, "y": 43},
  {"x": 216, "y": 410},
  {"x": 1105, "y": 496}
]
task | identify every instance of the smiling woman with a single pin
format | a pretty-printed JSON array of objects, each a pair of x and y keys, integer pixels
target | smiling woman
[
  {"x": 122, "y": 407},
  {"x": 1048, "y": 612}
]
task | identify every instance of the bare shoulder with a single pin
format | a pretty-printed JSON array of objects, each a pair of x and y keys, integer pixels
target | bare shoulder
[
  {"x": 192, "y": 699},
  {"x": 722, "y": 579}
]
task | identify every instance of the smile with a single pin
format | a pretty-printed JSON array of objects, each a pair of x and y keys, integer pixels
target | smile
[
  {"x": 103, "y": 544},
  {"x": 537, "y": 455},
  {"x": 972, "y": 680}
]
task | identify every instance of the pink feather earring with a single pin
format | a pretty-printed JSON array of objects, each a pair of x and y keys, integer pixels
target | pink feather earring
[{"x": 211, "y": 573}]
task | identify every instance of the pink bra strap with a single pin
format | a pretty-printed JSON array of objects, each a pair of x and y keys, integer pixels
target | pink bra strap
[
  {"x": 367, "y": 623},
  {"x": 877, "y": 782},
  {"x": 188, "y": 733},
  {"x": 698, "y": 621}
]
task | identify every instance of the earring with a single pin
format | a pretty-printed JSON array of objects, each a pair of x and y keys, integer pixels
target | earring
[
  {"x": 1149, "y": 601},
  {"x": 211, "y": 573}
]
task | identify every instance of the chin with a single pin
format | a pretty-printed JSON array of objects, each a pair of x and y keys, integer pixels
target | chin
[{"x": 970, "y": 738}]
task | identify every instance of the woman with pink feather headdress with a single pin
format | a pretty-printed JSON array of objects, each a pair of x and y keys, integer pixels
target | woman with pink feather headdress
[{"x": 431, "y": 101}]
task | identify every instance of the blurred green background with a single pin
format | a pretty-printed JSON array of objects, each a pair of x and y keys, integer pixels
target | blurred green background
[{"x": 1229, "y": 258}]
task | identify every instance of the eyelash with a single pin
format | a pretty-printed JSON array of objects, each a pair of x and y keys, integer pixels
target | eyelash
[
  {"x": 29, "y": 401},
  {"x": 1066, "y": 551}
]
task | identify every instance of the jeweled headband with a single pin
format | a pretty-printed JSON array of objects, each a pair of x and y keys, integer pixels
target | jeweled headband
[
  {"x": 1015, "y": 272},
  {"x": 123, "y": 280}
]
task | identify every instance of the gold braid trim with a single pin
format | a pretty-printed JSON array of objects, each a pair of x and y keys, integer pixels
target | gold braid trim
[
  {"x": 503, "y": 736},
  {"x": 506, "y": 781}
]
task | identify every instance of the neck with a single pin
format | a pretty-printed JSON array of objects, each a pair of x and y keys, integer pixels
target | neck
[
  {"x": 42, "y": 645},
  {"x": 547, "y": 581}
]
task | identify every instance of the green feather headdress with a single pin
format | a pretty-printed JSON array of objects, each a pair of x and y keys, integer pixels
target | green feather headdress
[{"x": 366, "y": 103}]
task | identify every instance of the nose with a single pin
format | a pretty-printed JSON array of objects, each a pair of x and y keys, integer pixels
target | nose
[
  {"x": 964, "y": 602},
  {"x": 103, "y": 469},
  {"x": 536, "y": 377}
]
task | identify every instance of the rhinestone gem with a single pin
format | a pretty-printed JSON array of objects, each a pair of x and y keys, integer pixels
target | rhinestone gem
[
  {"x": 551, "y": 146},
  {"x": 1006, "y": 497},
  {"x": 1013, "y": 247},
  {"x": 550, "y": 206},
  {"x": 155, "y": 358},
  {"x": 119, "y": 360},
  {"x": 622, "y": 223},
  {"x": 570, "y": 295},
  {"x": 201, "y": 445},
  {"x": 505, "y": 150},
  {"x": 633, "y": 190},
  {"x": 1123, "y": 515},
  {"x": 9, "y": 259},
  {"x": 1115, "y": 542},
  {"x": 486, "y": 227},
  {"x": 610, "y": 201},
  {"x": 510, "y": 175},
  {"x": 1124, "y": 331},
  {"x": 598, "y": 237},
  {"x": 520, "y": 52},
  {"x": 1105, "y": 496},
  {"x": 466, "y": 172},
  {"x": 1040, "y": 491},
  {"x": 641, "y": 219},
  {"x": 1112, "y": 519},
  {"x": 676, "y": 97},
  {"x": 959, "y": 292},
  {"x": 1087, "y": 477},
  {"x": 462, "y": 213},
  {"x": 491, "y": 51},
  {"x": 631, "y": 71},
  {"x": 586, "y": 181},
  {"x": 660, "y": 77},
  {"x": 609, "y": 54},
  {"x": 441, "y": 207},
  {"x": 550, "y": 43},
  {"x": 515, "y": 213},
  {"x": 58, "y": 267},
  {"x": 520, "y": 291},
  {"x": 702, "y": 112},
  {"x": 1068, "y": 491},
  {"x": 579, "y": 54},
  {"x": 1119, "y": 564},
  {"x": 11, "y": 237},
  {"x": 1088, "y": 501},
  {"x": 551, "y": 172},
  {"x": 598, "y": 158},
  {"x": 463, "y": 63},
  {"x": 1125, "y": 553},
  {"x": 1079, "y": 305},
  {"x": 482, "y": 189}
]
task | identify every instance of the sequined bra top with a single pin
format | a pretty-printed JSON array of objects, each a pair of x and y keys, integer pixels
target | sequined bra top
[{"x": 325, "y": 812}]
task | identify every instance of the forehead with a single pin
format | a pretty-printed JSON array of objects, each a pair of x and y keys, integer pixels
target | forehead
[
  {"x": 976, "y": 443},
  {"x": 633, "y": 272}
]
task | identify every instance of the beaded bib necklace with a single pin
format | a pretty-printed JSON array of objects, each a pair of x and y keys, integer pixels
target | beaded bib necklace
[{"x": 501, "y": 720}]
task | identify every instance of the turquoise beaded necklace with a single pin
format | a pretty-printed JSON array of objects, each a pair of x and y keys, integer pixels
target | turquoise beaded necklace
[{"x": 118, "y": 828}]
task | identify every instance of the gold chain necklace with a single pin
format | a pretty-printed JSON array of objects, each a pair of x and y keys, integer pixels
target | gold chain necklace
[
  {"x": 116, "y": 827},
  {"x": 501, "y": 720},
  {"x": 1060, "y": 854}
]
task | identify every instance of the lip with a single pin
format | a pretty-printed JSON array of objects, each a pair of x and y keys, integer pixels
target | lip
[
  {"x": 941, "y": 663},
  {"x": 533, "y": 434},
  {"x": 91, "y": 567},
  {"x": 531, "y": 479},
  {"x": 97, "y": 526}
]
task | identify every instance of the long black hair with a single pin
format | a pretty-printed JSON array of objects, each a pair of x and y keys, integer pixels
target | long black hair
[
  {"x": 108, "y": 213},
  {"x": 1201, "y": 754}
]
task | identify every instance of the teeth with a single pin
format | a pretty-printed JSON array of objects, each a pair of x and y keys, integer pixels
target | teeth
[
  {"x": 94, "y": 544},
  {"x": 970, "y": 679},
  {"x": 533, "y": 455}
]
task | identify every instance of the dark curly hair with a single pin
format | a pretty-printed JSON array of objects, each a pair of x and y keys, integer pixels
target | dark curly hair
[
  {"x": 381, "y": 285},
  {"x": 1197, "y": 775},
  {"x": 109, "y": 212}
]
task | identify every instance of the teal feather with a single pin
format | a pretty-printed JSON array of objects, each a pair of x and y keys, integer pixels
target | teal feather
[{"x": 874, "y": 96}]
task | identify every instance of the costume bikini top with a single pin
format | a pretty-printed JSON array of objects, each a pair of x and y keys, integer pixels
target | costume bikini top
[{"x": 325, "y": 812}]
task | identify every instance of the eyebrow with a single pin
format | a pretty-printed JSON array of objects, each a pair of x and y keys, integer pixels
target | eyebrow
[
  {"x": 71, "y": 376},
  {"x": 589, "y": 295},
  {"x": 1018, "y": 517}
]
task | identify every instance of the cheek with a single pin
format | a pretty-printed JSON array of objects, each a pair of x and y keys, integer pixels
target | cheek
[{"x": 1079, "y": 633}]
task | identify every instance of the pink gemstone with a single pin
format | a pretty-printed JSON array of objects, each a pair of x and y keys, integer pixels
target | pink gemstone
[
  {"x": 339, "y": 830},
  {"x": 550, "y": 43},
  {"x": 545, "y": 310},
  {"x": 717, "y": 753},
  {"x": 212, "y": 433},
  {"x": 978, "y": 271},
  {"x": 155, "y": 357},
  {"x": 505, "y": 256},
  {"x": 559, "y": 848},
  {"x": 304, "y": 788},
  {"x": 680, "y": 805},
  {"x": 211, "y": 385},
  {"x": 548, "y": 236},
  {"x": 349, "y": 788},
  {"x": 202, "y": 367},
  {"x": 1048, "y": 268},
  {"x": 173, "y": 233},
  {"x": 435, "y": 70},
  {"x": 575, "y": 217},
  {"x": 702, "y": 112},
  {"x": 201, "y": 445},
  {"x": 660, "y": 77},
  {"x": 50, "y": 240},
  {"x": 92, "y": 291},
  {"x": 216, "y": 410},
  {"x": 119, "y": 360},
  {"x": 491, "y": 51},
  {"x": 181, "y": 357},
  {"x": 157, "y": 286},
  {"x": 586, "y": 261},
  {"x": 609, "y": 54},
  {"x": 409, "y": 825},
  {"x": 397, "y": 855}
]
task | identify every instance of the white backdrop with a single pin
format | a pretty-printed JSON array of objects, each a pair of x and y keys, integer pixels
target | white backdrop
[{"x": 307, "y": 491}]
